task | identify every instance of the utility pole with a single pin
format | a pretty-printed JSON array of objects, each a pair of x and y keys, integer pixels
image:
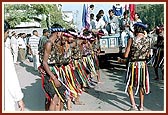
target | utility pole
[{"x": 77, "y": 18}]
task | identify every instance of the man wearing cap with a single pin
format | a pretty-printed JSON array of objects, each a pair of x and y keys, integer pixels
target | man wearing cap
[
  {"x": 14, "y": 46},
  {"x": 137, "y": 73},
  {"x": 51, "y": 63}
]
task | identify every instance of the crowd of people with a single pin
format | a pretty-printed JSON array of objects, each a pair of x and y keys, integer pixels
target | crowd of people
[
  {"x": 114, "y": 23},
  {"x": 68, "y": 61}
]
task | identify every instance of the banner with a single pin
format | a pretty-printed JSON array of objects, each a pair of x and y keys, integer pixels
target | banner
[
  {"x": 86, "y": 17},
  {"x": 132, "y": 11}
]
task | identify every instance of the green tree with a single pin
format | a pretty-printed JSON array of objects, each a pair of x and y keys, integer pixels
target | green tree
[
  {"x": 16, "y": 13},
  {"x": 152, "y": 14}
]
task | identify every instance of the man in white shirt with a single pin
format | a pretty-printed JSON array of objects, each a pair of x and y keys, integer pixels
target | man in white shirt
[
  {"x": 14, "y": 46},
  {"x": 136, "y": 19},
  {"x": 100, "y": 24},
  {"x": 22, "y": 48},
  {"x": 13, "y": 94},
  {"x": 113, "y": 22},
  {"x": 33, "y": 43}
]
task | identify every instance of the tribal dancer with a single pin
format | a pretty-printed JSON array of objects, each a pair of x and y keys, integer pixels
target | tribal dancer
[
  {"x": 51, "y": 61},
  {"x": 68, "y": 69},
  {"x": 96, "y": 51},
  {"x": 77, "y": 69},
  {"x": 87, "y": 58},
  {"x": 137, "y": 73}
]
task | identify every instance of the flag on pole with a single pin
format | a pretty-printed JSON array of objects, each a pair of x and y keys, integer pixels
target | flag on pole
[
  {"x": 126, "y": 7},
  {"x": 86, "y": 17},
  {"x": 132, "y": 11}
]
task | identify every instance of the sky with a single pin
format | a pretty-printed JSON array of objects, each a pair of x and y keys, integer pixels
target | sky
[{"x": 79, "y": 7}]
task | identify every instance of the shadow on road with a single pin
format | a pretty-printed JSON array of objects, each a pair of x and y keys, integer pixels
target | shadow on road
[
  {"x": 110, "y": 98},
  {"x": 34, "y": 97},
  {"x": 30, "y": 69},
  {"x": 116, "y": 74}
]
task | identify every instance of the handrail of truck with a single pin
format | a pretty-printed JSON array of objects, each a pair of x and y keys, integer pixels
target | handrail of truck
[{"x": 112, "y": 36}]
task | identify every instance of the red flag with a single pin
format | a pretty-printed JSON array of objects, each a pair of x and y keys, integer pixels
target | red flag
[{"x": 132, "y": 11}]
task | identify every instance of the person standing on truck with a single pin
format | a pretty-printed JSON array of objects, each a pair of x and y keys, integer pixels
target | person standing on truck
[
  {"x": 125, "y": 28},
  {"x": 137, "y": 73},
  {"x": 92, "y": 22},
  {"x": 136, "y": 19},
  {"x": 100, "y": 24},
  {"x": 113, "y": 23}
]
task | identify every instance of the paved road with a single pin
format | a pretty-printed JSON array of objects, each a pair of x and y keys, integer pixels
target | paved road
[{"x": 106, "y": 97}]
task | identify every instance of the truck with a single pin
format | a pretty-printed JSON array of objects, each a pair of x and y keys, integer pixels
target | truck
[{"x": 111, "y": 44}]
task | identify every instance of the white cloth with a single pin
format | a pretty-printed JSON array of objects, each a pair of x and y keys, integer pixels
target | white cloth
[
  {"x": 36, "y": 62},
  {"x": 114, "y": 23},
  {"x": 14, "y": 46},
  {"x": 12, "y": 87},
  {"x": 100, "y": 24},
  {"x": 125, "y": 35},
  {"x": 21, "y": 43},
  {"x": 7, "y": 43}
]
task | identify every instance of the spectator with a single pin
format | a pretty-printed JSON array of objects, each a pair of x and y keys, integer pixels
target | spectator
[
  {"x": 33, "y": 43},
  {"x": 100, "y": 24},
  {"x": 14, "y": 46},
  {"x": 13, "y": 93},
  {"x": 22, "y": 48},
  {"x": 28, "y": 50},
  {"x": 117, "y": 8},
  {"x": 42, "y": 41},
  {"x": 103, "y": 17},
  {"x": 136, "y": 19}
]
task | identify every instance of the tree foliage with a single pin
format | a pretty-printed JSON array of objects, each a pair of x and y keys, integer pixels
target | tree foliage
[
  {"x": 151, "y": 14},
  {"x": 16, "y": 13}
]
